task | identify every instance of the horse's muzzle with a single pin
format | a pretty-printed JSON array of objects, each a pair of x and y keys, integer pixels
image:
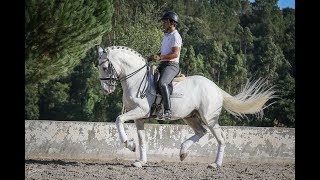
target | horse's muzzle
[{"x": 107, "y": 89}]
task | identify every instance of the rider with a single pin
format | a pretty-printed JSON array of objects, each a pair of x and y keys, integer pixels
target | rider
[{"x": 169, "y": 59}]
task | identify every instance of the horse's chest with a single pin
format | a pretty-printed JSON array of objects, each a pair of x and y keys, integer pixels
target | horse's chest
[{"x": 131, "y": 101}]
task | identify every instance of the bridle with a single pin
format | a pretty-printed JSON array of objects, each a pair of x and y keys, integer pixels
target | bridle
[{"x": 114, "y": 79}]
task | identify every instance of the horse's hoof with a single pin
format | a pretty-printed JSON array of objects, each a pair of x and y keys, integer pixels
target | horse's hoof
[
  {"x": 183, "y": 156},
  {"x": 131, "y": 145},
  {"x": 214, "y": 166},
  {"x": 138, "y": 163}
]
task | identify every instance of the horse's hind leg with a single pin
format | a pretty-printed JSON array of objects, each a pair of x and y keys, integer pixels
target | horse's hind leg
[
  {"x": 220, "y": 136},
  {"x": 195, "y": 123}
]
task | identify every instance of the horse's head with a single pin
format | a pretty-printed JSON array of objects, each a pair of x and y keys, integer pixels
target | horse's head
[
  {"x": 118, "y": 64},
  {"x": 108, "y": 74}
]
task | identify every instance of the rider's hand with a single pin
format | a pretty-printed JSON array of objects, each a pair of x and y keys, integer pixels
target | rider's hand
[{"x": 154, "y": 58}]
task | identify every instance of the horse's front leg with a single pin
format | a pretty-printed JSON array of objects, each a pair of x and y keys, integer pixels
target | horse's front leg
[
  {"x": 142, "y": 144},
  {"x": 134, "y": 114}
]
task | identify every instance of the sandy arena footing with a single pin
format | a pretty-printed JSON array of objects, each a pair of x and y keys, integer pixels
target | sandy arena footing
[{"x": 122, "y": 169}]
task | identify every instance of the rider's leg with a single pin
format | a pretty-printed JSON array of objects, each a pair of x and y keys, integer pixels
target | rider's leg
[
  {"x": 166, "y": 100},
  {"x": 168, "y": 72}
]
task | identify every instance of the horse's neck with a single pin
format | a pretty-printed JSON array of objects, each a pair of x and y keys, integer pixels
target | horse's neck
[
  {"x": 133, "y": 82},
  {"x": 127, "y": 61},
  {"x": 129, "y": 65}
]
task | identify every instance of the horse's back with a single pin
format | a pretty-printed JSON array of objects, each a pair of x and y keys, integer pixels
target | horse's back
[
  {"x": 198, "y": 93},
  {"x": 196, "y": 82},
  {"x": 198, "y": 89}
]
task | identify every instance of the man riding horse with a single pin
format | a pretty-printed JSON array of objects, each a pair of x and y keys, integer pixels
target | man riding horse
[{"x": 169, "y": 60}]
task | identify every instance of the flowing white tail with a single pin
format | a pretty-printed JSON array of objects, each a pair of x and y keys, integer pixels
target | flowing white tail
[{"x": 251, "y": 99}]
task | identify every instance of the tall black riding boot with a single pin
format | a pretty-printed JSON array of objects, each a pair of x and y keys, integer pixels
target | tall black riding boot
[{"x": 166, "y": 101}]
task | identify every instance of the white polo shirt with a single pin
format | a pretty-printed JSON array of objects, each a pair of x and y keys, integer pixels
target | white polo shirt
[{"x": 169, "y": 41}]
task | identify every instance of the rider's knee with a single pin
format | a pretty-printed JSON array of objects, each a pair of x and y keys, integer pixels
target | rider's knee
[{"x": 162, "y": 85}]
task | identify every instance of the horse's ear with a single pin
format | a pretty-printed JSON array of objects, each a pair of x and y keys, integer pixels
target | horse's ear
[{"x": 100, "y": 50}]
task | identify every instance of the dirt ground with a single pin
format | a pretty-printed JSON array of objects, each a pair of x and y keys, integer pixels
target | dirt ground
[{"x": 122, "y": 169}]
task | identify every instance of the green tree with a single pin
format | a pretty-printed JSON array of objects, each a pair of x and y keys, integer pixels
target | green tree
[
  {"x": 218, "y": 63},
  {"x": 288, "y": 43},
  {"x": 31, "y": 102},
  {"x": 268, "y": 19},
  {"x": 137, "y": 29},
  {"x": 190, "y": 62},
  {"x": 53, "y": 97},
  {"x": 59, "y": 33},
  {"x": 200, "y": 67},
  {"x": 239, "y": 73},
  {"x": 85, "y": 91},
  {"x": 248, "y": 39},
  {"x": 273, "y": 66},
  {"x": 244, "y": 38},
  {"x": 195, "y": 32},
  {"x": 228, "y": 78},
  {"x": 282, "y": 113},
  {"x": 269, "y": 57},
  {"x": 75, "y": 97}
]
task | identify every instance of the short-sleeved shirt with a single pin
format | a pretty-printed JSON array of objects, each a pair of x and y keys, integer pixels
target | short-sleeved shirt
[{"x": 170, "y": 40}]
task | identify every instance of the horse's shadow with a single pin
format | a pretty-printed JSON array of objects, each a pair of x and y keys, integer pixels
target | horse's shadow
[
  {"x": 72, "y": 163},
  {"x": 47, "y": 162},
  {"x": 144, "y": 166}
]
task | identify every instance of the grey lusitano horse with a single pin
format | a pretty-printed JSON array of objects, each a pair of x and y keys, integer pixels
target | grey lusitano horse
[{"x": 199, "y": 104}]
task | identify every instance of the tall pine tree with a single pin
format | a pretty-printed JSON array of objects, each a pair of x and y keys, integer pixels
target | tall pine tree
[{"x": 58, "y": 34}]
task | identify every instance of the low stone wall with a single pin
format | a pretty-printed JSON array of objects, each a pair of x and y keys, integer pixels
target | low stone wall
[{"x": 99, "y": 141}]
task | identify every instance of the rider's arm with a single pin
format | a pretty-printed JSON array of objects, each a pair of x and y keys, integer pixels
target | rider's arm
[{"x": 174, "y": 54}]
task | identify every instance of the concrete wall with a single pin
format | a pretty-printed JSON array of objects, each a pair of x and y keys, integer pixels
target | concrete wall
[{"x": 99, "y": 141}]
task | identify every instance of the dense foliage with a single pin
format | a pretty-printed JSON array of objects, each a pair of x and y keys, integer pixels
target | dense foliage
[{"x": 226, "y": 41}]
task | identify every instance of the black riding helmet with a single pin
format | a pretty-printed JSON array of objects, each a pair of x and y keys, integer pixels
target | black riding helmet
[{"x": 170, "y": 15}]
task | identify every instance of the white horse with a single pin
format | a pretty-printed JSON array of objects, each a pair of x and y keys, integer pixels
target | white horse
[{"x": 199, "y": 100}]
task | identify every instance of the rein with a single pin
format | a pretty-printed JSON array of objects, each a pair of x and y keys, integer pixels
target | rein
[{"x": 131, "y": 74}]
